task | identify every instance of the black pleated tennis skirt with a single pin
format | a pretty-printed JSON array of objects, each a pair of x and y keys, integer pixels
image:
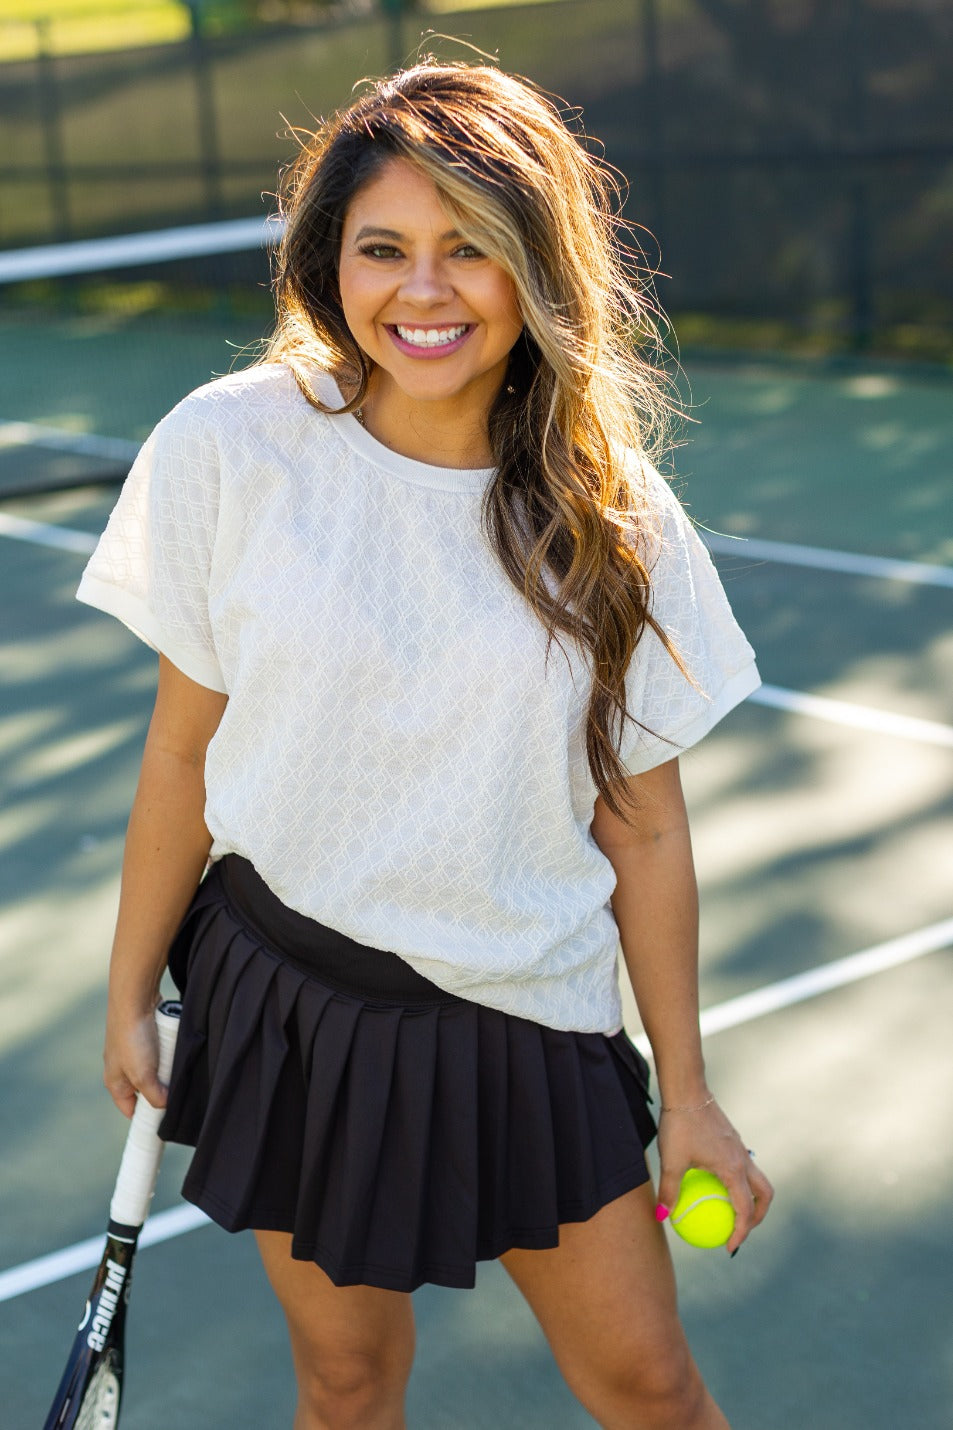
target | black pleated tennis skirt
[{"x": 401, "y": 1134}]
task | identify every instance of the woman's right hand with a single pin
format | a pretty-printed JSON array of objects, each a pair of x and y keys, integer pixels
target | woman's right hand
[{"x": 131, "y": 1059}]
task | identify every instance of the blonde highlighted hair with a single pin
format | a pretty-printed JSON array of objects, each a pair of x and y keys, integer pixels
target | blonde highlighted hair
[{"x": 585, "y": 402}]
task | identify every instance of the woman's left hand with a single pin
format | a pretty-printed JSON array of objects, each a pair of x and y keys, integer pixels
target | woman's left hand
[{"x": 704, "y": 1137}]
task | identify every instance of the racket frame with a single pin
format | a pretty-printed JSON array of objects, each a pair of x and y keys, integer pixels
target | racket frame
[{"x": 99, "y": 1344}]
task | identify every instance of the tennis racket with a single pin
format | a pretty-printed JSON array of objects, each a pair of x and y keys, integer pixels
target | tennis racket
[{"x": 91, "y": 1388}]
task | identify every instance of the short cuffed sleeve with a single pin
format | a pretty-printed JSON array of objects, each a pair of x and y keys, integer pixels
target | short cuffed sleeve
[
  {"x": 690, "y": 605},
  {"x": 152, "y": 566}
]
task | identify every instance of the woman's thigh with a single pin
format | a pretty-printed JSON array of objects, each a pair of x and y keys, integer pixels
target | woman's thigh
[
  {"x": 606, "y": 1301},
  {"x": 338, "y": 1331}
]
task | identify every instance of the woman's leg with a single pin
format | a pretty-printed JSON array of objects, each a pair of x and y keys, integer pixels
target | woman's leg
[
  {"x": 353, "y": 1346},
  {"x": 605, "y": 1298}
]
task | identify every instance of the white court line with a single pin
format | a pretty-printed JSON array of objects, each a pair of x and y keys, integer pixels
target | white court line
[
  {"x": 884, "y": 568},
  {"x": 801, "y": 986},
  {"x": 861, "y": 717},
  {"x": 65, "y": 538},
  {"x": 165, "y": 1226},
  {"x": 81, "y": 444},
  {"x": 84, "y": 1255}
]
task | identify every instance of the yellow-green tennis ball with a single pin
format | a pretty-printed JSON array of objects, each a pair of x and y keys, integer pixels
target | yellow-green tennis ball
[{"x": 703, "y": 1214}]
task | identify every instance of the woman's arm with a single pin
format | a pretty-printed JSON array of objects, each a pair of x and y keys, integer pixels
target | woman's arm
[
  {"x": 167, "y": 847},
  {"x": 655, "y": 904}
]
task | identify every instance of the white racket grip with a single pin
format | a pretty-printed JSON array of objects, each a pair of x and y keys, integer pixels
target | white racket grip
[{"x": 142, "y": 1153}]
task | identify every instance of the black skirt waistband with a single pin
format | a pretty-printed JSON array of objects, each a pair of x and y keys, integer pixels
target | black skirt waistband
[{"x": 333, "y": 958}]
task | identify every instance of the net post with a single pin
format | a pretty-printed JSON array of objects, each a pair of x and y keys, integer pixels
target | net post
[
  {"x": 209, "y": 155},
  {"x": 860, "y": 232},
  {"x": 394, "y": 13},
  {"x": 647, "y": 20},
  {"x": 51, "y": 119}
]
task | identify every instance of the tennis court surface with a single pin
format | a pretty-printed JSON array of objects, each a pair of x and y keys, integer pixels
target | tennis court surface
[{"x": 823, "y": 819}]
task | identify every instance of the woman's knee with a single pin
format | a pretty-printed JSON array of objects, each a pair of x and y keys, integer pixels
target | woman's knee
[
  {"x": 360, "y": 1389},
  {"x": 357, "y": 1355},
  {"x": 661, "y": 1391}
]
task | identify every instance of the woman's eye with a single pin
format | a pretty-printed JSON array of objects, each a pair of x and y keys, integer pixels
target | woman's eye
[{"x": 387, "y": 250}]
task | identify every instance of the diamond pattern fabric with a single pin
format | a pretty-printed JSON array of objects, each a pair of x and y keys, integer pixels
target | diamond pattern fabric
[{"x": 397, "y": 757}]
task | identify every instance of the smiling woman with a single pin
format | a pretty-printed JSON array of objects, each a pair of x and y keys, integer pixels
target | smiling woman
[
  {"x": 432, "y": 632},
  {"x": 436, "y": 318},
  {"x": 535, "y": 215}
]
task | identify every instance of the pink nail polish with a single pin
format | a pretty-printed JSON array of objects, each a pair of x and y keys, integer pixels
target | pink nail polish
[{"x": 661, "y": 1212}]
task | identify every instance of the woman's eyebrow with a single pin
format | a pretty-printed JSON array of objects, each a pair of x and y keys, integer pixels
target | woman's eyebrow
[{"x": 372, "y": 231}]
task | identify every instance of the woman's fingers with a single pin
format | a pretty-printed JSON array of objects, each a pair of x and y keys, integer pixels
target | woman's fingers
[
  {"x": 122, "y": 1092},
  {"x": 707, "y": 1139},
  {"x": 153, "y": 1090},
  {"x": 751, "y": 1194},
  {"x": 131, "y": 1059},
  {"x": 763, "y": 1192},
  {"x": 742, "y": 1199},
  {"x": 669, "y": 1183},
  {"x": 122, "y": 1089}
]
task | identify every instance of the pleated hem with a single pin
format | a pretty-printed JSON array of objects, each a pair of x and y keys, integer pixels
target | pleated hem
[
  {"x": 384, "y": 1277},
  {"x": 398, "y": 1143}
]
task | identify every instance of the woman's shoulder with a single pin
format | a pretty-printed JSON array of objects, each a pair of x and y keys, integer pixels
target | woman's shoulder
[
  {"x": 240, "y": 409},
  {"x": 217, "y": 433},
  {"x": 240, "y": 399}
]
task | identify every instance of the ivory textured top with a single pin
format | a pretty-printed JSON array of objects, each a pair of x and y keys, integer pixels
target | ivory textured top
[{"x": 396, "y": 758}]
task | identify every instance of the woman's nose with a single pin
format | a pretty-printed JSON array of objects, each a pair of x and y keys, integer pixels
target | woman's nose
[{"x": 426, "y": 282}]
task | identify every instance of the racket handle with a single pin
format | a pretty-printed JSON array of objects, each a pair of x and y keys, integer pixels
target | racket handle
[{"x": 142, "y": 1153}]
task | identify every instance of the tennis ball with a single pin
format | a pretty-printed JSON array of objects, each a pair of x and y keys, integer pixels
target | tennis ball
[{"x": 703, "y": 1214}]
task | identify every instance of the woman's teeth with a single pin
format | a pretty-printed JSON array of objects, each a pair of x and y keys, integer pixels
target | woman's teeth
[{"x": 430, "y": 337}]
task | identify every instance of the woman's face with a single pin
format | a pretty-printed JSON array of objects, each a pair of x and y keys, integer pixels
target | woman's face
[{"x": 436, "y": 317}]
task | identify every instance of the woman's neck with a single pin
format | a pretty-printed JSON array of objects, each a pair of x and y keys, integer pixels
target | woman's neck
[{"x": 443, "y": 433}]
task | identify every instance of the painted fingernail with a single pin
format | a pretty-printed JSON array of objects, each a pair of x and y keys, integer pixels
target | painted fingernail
[
  {"x": 661, "y": 1212},
  {"x": 733, "y": 1254}
]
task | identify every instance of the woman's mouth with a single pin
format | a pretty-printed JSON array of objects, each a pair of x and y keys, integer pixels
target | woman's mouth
[{"x": 428, "y": 342}]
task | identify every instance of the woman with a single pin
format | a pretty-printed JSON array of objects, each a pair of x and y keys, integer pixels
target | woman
[{"x": 432, "y": 634}]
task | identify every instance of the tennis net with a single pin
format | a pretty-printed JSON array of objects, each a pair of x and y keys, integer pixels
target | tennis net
[{"x": 101, "y": 338}]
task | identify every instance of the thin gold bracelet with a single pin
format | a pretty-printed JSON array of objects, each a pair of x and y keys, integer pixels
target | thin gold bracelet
[{"x": 700, "y": 1108}]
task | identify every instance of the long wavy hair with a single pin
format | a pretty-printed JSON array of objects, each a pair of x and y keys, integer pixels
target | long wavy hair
[{"x": 586, "y": 401}]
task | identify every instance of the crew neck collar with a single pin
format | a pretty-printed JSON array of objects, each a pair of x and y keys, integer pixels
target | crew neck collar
[{"x": 408, "y": 469}]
